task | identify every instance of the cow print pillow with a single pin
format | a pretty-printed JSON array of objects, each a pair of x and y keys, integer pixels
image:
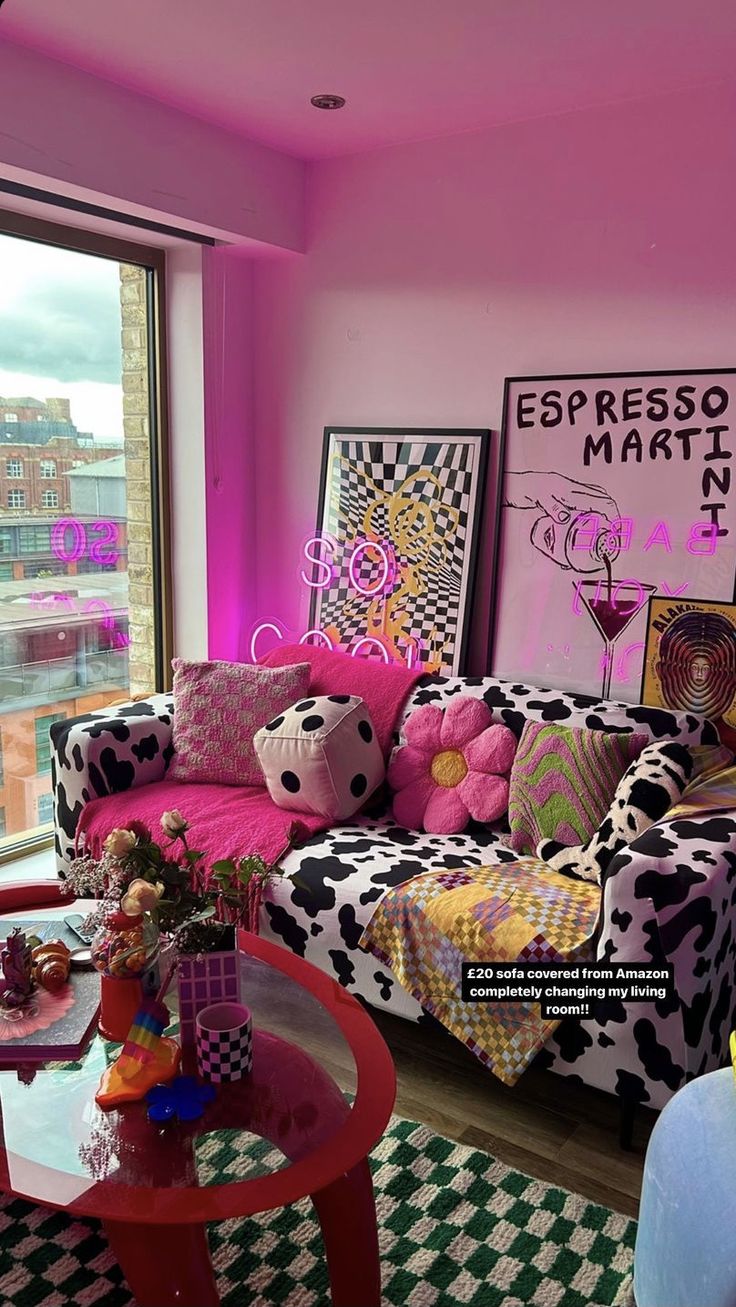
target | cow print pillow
[{"x": 647, "y": 790}]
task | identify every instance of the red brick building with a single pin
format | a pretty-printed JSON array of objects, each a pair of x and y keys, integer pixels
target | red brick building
[{"x": 33, "y": 478}]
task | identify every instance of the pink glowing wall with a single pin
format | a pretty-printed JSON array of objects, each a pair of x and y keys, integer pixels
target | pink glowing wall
[
  {"x": 229, "y": 451},
  {"x": 592, "y": 241}
]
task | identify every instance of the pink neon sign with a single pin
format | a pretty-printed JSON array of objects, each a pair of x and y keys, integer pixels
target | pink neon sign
[
  {"x": 386, "y": 555},
  {"x": 329, "y": 542},
  {"x": 320, "y": 552},
  {"x": 48, "y": 602},
  {"x": 413, "y": 652},
  {"x": 702, "y": 537},
  {"x": 81, "y": 543}
]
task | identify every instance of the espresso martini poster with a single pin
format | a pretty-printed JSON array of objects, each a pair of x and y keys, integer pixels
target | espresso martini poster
[{"x": 614, "y": 488}]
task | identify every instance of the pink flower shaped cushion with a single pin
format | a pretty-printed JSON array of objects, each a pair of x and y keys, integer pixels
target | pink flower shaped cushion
[{"x": 454, "y": 766}]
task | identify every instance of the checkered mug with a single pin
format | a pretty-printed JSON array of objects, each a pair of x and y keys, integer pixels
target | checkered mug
[{"x": 224, "y": 1037}]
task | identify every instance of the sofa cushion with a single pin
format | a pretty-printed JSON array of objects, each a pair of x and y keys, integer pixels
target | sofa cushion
[
  {"x": 455, "y": 766},
  {"x": 563, "y": 780},
  {"x": 646, "y": 791},
  {"x": 515, "y": 704},
  {"x": 321, "y": 755},
  {"x": 219, "y": 707}
]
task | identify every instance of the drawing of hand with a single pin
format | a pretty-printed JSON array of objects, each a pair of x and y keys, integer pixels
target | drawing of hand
[
  {"x": 558, "y": 501},
  {"x": 558, "y": 496}
]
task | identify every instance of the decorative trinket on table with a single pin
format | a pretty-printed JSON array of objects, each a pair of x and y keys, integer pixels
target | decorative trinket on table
[
  {"x": 147, "y": 1058},
  {"x": 123, "y": 949},
  {"x": 125, "y": 946},
  {"x": 16, "y": 959},
  {"x": 225, "y": 1042},
  {"x": 51, "y": 965},
  {"x": 184, "y": 1100},
  {"x": 56, "y": 1017},
  {"x": 204, "y": 978}
]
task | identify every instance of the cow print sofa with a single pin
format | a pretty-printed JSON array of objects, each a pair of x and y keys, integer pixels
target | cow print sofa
[{"x": 670, "y": 896}]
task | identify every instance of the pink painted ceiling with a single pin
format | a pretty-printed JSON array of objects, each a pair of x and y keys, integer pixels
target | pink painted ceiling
[{"x": 409, "y": 69}]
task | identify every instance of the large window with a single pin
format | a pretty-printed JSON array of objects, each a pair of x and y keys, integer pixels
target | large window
[
  {"x": 43, "y": 741},
  {"x": 45, "y": 808},
  {"x": 34, "y": 540},
  {"x": 83, "y": 600}
]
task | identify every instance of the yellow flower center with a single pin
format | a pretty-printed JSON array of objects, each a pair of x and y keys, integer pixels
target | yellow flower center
[{"x": 448, "y": 768}]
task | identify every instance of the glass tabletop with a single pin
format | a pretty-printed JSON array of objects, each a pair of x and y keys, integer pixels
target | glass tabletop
[{"x": 305, "y": 1106}]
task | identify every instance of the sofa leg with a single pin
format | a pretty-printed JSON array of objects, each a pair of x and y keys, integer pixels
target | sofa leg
[{"x": 626, "y": 1123}]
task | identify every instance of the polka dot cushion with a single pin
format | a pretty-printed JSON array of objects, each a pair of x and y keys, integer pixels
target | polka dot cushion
[{"x": 321, "y": 756}]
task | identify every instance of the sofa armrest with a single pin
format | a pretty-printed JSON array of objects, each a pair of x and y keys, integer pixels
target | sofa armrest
[
  {"x": 105, "y": 752},
  {"x": 670, "y": 897}
]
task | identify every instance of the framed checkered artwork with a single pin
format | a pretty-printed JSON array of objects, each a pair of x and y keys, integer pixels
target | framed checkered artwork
[{"x": 394, "y": 554}]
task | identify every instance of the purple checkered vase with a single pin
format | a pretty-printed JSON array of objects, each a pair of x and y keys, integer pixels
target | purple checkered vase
[
  {"x": 224, "y": 1042},
  {"x": 204, "y": 979}
]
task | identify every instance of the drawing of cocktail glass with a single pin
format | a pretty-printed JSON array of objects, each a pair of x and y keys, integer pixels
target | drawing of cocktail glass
[{"x": 613, "y": 606}]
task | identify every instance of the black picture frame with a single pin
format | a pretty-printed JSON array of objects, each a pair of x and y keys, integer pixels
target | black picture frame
[
  {"x": 452, "y": 438},
  {"x": 545, "y": 676}
]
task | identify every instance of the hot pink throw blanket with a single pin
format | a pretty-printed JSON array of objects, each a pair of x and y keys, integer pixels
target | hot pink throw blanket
[
  {"x": 225, "y": 820},
  {"x": 383, "y": 687},
  {"x": 233, "y": 820}
]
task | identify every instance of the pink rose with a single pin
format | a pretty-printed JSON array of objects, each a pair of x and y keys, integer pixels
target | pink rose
[
  {"x": 119, "y": 842},
  {"x": 173, "y": 824},
  {"x": 141, "y": 896}
]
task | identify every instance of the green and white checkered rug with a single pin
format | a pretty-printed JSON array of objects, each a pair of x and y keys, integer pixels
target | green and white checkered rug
[{"x": 456, "y": 1227}]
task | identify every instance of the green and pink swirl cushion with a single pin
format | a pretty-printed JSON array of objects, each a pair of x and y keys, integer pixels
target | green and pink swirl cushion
[
  {"x": 454, "y": 767},
  {"x": 563, "y": 780}
]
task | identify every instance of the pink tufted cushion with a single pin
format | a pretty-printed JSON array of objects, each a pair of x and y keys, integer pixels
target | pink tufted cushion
[
  {"x": 218, "y": 709},
  {"x": 454, "y": 767}
]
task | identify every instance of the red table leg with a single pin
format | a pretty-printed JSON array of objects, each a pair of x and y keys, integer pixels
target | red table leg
[
  {"x": 165, "y": 1265},
  {"x": 347, "y": 1215}
]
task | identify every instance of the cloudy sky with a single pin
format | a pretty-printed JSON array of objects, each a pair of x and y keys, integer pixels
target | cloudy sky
[{"x": 60, "y": 331}]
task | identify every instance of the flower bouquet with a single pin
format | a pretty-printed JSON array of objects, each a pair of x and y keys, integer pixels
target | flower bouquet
[
  {"x": 165, "y": 882},
  {"x": 155, "y": 892}
]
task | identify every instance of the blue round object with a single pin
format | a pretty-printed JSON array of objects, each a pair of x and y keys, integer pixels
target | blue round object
[
  {"x": 161, "y": 1112},
  {"x": 184, "y": 1099},
  {"x": 686, "y": 1242}
]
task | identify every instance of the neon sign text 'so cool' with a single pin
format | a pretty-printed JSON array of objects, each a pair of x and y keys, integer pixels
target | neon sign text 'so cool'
[
  {"x": 323, "y": 573},
  {"x": 70, "y": 540}
]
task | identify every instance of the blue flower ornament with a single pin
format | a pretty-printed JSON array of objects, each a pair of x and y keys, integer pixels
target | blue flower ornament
[{"x": 184, "y": 1099}]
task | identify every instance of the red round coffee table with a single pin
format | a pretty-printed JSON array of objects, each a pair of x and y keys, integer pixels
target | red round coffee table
[{"x": 59, "y": 1149}]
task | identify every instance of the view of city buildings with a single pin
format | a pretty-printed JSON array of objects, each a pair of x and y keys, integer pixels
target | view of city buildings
[
  {"x": 63, "y": 591},
  {"x": 79, "y": 620}
]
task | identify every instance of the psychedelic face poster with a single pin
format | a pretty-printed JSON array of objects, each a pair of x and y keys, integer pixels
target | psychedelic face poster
[{"x": 690, "y": 660}]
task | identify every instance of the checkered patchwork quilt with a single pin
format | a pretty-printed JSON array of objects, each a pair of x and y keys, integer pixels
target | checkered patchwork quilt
[{"x": 425, "y": 929}]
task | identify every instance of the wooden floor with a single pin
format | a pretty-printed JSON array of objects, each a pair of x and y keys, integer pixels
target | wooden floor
[{"x": 559, "y": 1132}]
